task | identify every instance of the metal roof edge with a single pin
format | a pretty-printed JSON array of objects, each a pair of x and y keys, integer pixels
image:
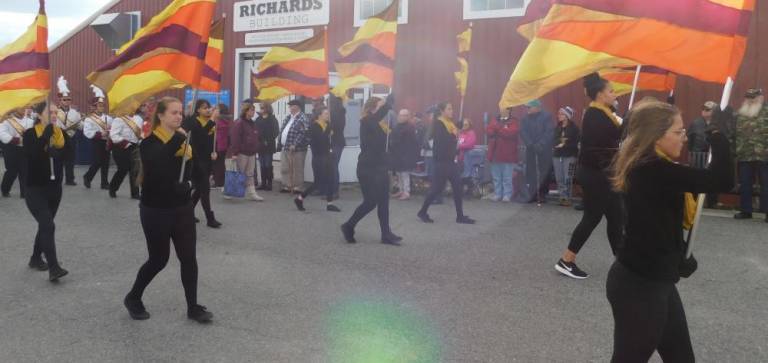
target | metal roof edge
[{"x": 82, "y": 25}]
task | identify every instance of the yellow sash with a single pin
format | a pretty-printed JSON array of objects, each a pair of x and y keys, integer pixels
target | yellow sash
[
  {"x": 135, "y": 128},
  {"x": 689, "y": 214},
  {"x": 607, "y": 111}
]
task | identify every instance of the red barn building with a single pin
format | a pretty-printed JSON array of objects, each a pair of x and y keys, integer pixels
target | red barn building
[{"x": 426, "y": 50}]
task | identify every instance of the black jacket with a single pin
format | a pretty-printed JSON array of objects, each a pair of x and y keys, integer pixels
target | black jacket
[
  {"x": 38, "y": 157},
  {"x": 571, "y": 135},
  {"x": 600, "y": 139},
  {"x": 405, "y": 147},
  {"x": 373, "y": 140},
  {"x": 654, "y": 244},
  {"x": 268, "y": 130},
  {"x": 202, "y": 138},
  {"x": 161, "y": 168},
  {"x": 697, "y": 136},
  {"x": 338, "y": 121},
  {"x": 319, "y": 140},
  {"x": 445, "y": 143}
]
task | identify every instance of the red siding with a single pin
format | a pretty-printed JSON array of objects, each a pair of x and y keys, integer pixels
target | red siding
[{"x": 426, "y": 57}]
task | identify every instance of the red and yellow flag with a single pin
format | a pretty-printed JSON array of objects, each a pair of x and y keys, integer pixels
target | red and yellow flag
[
  {"x": 210, "y": 80},
  {"x": 24, "y": 67},
  {"x": 300, "y": 69},
  {"x": 167, "y": 53},
  {"x": 462, "y": 76},
  {"x": 651, "y": 79},
  {"x": 369, "y": 58}
]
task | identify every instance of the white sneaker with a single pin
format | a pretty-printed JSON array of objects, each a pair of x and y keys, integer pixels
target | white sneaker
[
  {"x": 506, "y": 200},
  {"x": 495, "y": 198},
  {"x": 252, "y": 195}
]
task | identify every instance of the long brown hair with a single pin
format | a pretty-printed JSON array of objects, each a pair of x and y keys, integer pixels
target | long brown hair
[
  {"x": 370, "y": 106},
  {"x": 244, "y": 108},
  {"x": 266, "y": 107},
  {"x": 160, "y": 109},
  {"x": 649, "y": 122}
]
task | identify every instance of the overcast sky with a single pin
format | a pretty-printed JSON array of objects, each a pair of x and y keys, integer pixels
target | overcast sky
[{"x": 63, "y": 16}]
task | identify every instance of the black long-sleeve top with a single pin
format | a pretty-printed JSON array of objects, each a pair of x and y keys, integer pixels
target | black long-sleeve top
[
  {"x": 373, "y": 140},
  {"x": 654, "y": 245},
  {"x": 161, "y": 169},
  {"x": 338, "y": 121},
  {"x": 445, "y": 146},
  {"x": 202, "y": 138},
  {"x": 569, "y": 137},
  {"x": 268, "y": 130},
  {"x": 600, "y": 139},
  {"x": 38, "y": 157},
  {"x": 319, "y": 139}
]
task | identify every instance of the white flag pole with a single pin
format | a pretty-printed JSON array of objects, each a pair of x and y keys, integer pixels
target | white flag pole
[{"x": 634, "y": 86}]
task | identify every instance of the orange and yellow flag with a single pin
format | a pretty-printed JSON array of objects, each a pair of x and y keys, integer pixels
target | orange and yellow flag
[
  {"x": 210, "y": 80},
  {"x": 462, "y": 76}
]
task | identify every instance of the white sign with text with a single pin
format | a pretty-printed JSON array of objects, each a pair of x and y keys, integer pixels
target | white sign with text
[
  {"x": 278, "y": 37},
  {"x": 257, "y": 15}
]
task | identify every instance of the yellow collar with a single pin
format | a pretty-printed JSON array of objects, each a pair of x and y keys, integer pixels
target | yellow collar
[
  {"x": 323, "y": 124},
  {"x": 607, "y": 111},
  {"x": 203, "y": 121},
  {"x": 662, "y": 155},
  {"x": 162, "y": 134},
  {"x": 449, "y": 125}
]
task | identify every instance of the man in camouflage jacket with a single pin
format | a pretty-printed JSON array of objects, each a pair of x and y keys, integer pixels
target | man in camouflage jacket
[{"x": 751, "y": 150}]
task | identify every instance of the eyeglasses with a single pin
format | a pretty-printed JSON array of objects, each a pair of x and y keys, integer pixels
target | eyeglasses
[
  {"x": 681, "y": 133},
  {"x": 66, "y": 99}
]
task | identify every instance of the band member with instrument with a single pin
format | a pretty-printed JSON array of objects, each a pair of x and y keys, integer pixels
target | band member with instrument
[{"x": 96, "y": 128}]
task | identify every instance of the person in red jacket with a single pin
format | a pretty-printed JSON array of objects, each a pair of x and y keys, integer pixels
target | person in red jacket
[
  {"x": 503, "y": 135},
  {"x": 244, "y": 143}
]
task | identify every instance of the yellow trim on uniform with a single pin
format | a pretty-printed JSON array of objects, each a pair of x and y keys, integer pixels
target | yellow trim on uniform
[
  {"x": 164, "y": 137},
  {"x": 57, "y": 139}
]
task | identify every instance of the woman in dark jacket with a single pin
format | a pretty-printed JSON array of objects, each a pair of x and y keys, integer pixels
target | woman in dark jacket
[
  {"x": 565, "y": 150},
  {"x": 405, "y": 147},
  {"x": 446, "y": 169},
  {"x": 43, "y": 189},
  {"x": 223, "y": 122},
  {"x": 202, "y": 131},
  {"x": 166, "y": 210},
  {"x": 322, "y": 161},
  {"x": 601, "y": 135},
  {"x": 647, "y": 309},
  {"x": 268, "y": 128},
  {"x": 372, "y": 170}
]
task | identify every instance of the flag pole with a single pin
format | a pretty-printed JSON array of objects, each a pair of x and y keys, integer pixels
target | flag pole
[
  {"x": 634, "y": 86},
  {"x": 727, "y": 90},
  {"x": 186, "y": 143}
]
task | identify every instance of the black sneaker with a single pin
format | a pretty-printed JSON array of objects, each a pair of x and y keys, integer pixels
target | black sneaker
[
  {"x": 112, "y": 194},
  {"x": 86, "y": 183},
  {"x": 199, "y": 314},
  {"x": 105, "y": 186},
  {"x": 299, "y": 204},
  {"x": 570, "y": 269},
  {"x": 332, "y": 208},
  {"x": 465, "y": 220},
  {"x": 391, "y": 239},
  {"x": 6, "y": 195},
  {"x": 71, "y": 183},
  {"x": 213, "y": 224},
  {"x": 136, "y": 309},
  {"x": 197, "y": 220},
  {"x": 38, "y": 264},
  {"x": 348, "y": 232},
  {"x": 425, "y": 217},
  {"x": 743, "y": 215},
  {"x": 55, "y": 273}
]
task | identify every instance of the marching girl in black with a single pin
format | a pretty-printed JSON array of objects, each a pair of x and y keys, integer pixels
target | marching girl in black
[
  {"x": 446, "y": 136},
  {"x": 43, "y": 191},
  {"x": 647, "y": 309},
  {"x": 372, "y": 170},
  {"x": 202, "y": 131},
  {"x": 166, "y": 210},
  {"x": 323, "y": 161}
]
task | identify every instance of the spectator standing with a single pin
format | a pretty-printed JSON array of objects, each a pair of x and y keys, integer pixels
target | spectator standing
[
  {"x": 752, "y": 151},
  {"x": 564, "y": 153},
  {"x": 405, "y": 147},
  {"x": 223, "y": 124},
  {"x": 245, "y": 142},
  {"x": 268, "y": 130},
  {"x": 503, "y": 138},
  {"x": 293, "y": 143},
  {"x": 537, "y": 132}
]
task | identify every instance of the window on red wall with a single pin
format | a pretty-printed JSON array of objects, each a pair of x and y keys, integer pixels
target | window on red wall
[
  {"x": 486, "y": 9},
  {"x": 364, "y": 9}
]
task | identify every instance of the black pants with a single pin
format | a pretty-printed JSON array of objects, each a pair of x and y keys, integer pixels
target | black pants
[
  {"x": 374, "y": 183},
  {"x": 267, "y": 170},
  {"x": 15, "y": 166},
  {"x": 648, "y": 316},
  {"x": 599, "y": 200},
  {"x": 123, "y": 159},
  {"x": 446, "y": 172},
  {"x": 43, "y": 203},
  {"x": 160, "y": 227},
  {"x": 201, "y": 182},
  {"x": 322, "y": 170},
  {"x": 99, "y": 162},
  {"x": 538, "y": 164}
]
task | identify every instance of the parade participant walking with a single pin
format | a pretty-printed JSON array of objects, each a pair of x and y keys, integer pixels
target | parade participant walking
[
  {"x": 445, "y": 134},
  {"x": 405, "y": 147},
  {"x": 601, "y": 134},
  {"x": 536, "y": 131},
  {"x": 752, "y": 152},
  {"x": 223, "y": 122},
  {"x": 338, "y": 139},
  {"x": 293, "y": 143},
  {"x": 322, "y": 161},
  {"x": 70, "y": 121},
  {"x": 12, "y": 138},
  {"x": 202, "y": 130},
  {"x": 564, "y": 153},
  {"x": 125, "y": 134},
  {"x": 166, "y": 210},
  {"x": 372, "y": 170},
  {"x": 503, "y": 136},
  {"x": 96, "y": 128},
  {"x": 268, "y": 128},
  {"x": 647, "y": 309},
  {"x": 245, "y": 143},
  {"x": 43, "y": 189}
]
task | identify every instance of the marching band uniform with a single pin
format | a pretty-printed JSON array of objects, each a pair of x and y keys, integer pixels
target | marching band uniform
[
  {"x": 43, "y": 194},
  {"x": 11, "y": 135},
  {"x": 125, "y": 134},
  {"x": 96, "y": 128},
  {"x": 69, "y": 121}
]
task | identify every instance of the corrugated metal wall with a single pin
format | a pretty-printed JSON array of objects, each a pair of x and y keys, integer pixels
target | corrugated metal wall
[{"x": 426, "y": 57}]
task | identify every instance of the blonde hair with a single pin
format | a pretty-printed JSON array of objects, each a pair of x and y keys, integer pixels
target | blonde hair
[
  {"x": 649, "y": 122},
  {"x": 160, "y": 109},
  {"x": 244, "y": 108}
]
